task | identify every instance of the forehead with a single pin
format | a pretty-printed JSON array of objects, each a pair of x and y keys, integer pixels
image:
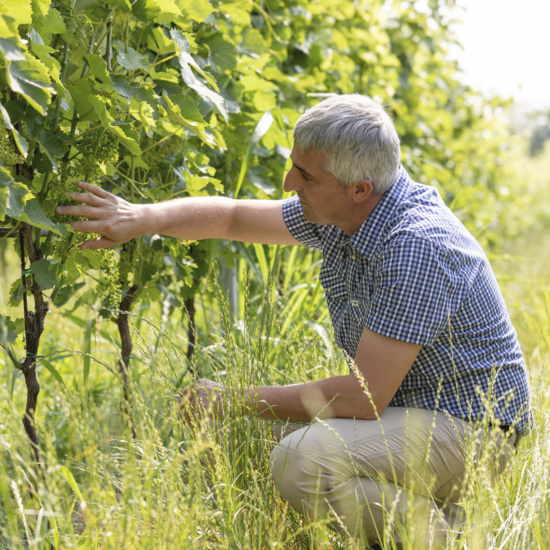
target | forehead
[{"x": 309, "y": 161}]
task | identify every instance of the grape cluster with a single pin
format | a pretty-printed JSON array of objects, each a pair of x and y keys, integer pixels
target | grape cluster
[
  {"x": 110, "y": 288},
  {"x": 59, "y": 185},
  {"x": 82, "y": 29},
  {"x": 8, "y": 153},
  {"x": 153, "y": 157},
  {"x": 63, "y": 5},
  {"x": 96, "y": 147}
]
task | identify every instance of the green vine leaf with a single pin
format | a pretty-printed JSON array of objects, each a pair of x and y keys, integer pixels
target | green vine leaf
[
  {"x": 81, "y": 92},
  {"x": 146, "y": 10},
  {"x": 51, "y": 23},
  {"x": 124, "y": 5},
  {"x": 161, "y": 11},
  {"x": 13, "y": 196},
  {"x": 34, "y": 215},
  {"x": 30, "y": 78},
  {"x": 98, "y": 68},
  {"x": 43, "y": 53},
  {"x": 129, "y": 58},
  {"x": 223, "y": 54},
  {"x": 19, "y": 10},
  {"x": 186, "y": 62},
  {"x": 122, "y": 87},
  {"x": 198, "y": 10},
  {"x": 53, "y": 145},
  {"x": 40, "y": 7},
  {"x": 184, "y": 111},
  {"x": 45, "y": 278},
  {"x": 11, "y": 49}
]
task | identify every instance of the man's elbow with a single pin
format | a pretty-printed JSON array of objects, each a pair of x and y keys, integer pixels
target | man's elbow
[
  {"x": 369, "y": 407},
  {"x": 368, "y": 403}
]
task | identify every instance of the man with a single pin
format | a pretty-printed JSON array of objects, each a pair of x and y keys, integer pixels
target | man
[{"x": 414, "y": 305}]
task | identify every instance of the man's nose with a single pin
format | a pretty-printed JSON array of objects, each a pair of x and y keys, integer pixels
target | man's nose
[{"x": 291, "y": 182}]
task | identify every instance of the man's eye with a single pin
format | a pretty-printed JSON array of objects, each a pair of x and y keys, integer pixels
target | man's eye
[{"x": 305, "y": 178}]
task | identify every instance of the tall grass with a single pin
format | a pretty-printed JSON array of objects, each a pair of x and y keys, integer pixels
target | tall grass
[
  {"x": 173, "y": 486},
  {"x": 209, "y": 486}
]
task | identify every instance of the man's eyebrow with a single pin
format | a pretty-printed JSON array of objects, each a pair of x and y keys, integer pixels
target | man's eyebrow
[{"x": 301, "y": 170}]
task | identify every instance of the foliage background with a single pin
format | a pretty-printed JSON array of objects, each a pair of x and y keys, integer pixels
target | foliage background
[{"x": 156, "y": 99}]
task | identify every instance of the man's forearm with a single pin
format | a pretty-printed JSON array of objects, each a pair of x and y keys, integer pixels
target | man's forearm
[
  {"x": 197, "y": 218},
  {"x": 336, "y": 397},
  {"x": 192, "y": 218}
]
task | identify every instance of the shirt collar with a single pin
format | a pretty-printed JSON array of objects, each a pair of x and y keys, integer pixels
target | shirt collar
[{"x": 365, "y": 240}]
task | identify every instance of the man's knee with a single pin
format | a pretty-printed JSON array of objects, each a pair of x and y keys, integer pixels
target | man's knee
[
  {"x": 304, "y": 468},
  {"x": 303, "y": 480}
]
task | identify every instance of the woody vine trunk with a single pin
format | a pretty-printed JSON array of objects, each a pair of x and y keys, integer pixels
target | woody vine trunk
[
  {"x": 126, "y": 350},
  {"x": 34, "y": 326}
]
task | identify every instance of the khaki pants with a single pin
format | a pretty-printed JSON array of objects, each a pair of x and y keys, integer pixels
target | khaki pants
[{"x": 405, "y": 470}]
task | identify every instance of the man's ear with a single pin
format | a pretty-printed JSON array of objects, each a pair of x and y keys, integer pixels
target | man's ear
[{"x": 362, "y": 190}]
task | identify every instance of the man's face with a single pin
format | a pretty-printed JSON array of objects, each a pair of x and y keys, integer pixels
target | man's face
[{"x": 323, "y": 199}]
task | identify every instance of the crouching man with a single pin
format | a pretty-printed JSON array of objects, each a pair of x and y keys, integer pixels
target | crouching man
[{"x": 415, "y": 307}]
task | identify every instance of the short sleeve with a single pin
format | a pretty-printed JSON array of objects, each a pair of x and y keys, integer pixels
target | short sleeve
[
  {"x": 416, "y": 291},
  {"x": 306, "y": 232}
]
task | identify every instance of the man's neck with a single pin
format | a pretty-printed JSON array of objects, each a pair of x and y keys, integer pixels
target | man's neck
[{"x": 359, "y": 218}]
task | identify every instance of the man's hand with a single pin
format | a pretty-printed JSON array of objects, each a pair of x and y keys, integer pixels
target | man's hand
[
  {"x": 202, "y": 399},
  {"x": 116, "y": 220}
]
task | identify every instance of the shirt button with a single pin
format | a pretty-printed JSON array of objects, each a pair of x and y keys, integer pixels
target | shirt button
[
  {"x": 328, "y": 290},
  {"x": 354, "y": 303},
  {"x": 354, "y": 257}
]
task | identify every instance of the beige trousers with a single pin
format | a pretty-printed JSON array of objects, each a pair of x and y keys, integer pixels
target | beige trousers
[{"x": 399, "y": 477}]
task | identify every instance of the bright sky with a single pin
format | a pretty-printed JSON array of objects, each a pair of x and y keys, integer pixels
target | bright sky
[{"x": 506, "y": 48}]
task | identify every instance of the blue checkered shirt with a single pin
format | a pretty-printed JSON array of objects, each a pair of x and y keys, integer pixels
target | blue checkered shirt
[{"x": 413, "y": 272}]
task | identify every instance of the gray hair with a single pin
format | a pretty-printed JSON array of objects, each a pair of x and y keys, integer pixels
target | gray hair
[{"x": 355, "y": 136}]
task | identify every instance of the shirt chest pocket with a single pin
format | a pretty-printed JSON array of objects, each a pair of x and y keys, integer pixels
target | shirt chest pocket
[
  {"x": 333, "y": 283},
  {"x": 351, "y": 301}
]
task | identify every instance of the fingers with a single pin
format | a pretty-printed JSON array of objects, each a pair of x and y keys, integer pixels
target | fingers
[
  {"x": 96, "y": 244},
  {"x": 83, "y": 211},
  {"x": 96, "y": 197},
  {"x": 87, "y": 198},
  {"x": 93, "y": 227},
  {"x": 94, "y": 189},
  {"x": 187, "y": 406},
  {"x": 203, "y": 399}
]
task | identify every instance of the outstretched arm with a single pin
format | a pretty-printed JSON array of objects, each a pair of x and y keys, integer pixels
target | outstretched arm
[{"x": 193, "y": 218}]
